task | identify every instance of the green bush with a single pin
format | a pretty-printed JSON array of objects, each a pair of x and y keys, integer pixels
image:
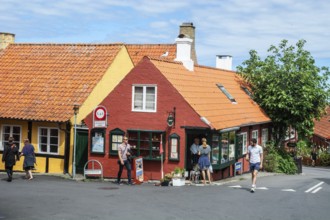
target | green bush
[
  {"x": 278, "y": 160},
  {"x": 324, "y": 159}
]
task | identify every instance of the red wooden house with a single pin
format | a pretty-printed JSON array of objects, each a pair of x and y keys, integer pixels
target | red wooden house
[{"x": 177, "y": 101}]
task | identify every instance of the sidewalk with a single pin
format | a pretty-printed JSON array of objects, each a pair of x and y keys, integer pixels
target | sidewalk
[{"x": 80, "y": 177}]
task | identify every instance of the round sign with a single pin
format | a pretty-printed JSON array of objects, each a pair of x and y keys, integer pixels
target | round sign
[
  {"x": 170, "y": 120},
  {"x": 100, "y": 113}
]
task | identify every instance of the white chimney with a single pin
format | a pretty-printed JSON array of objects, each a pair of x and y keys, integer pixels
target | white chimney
[
  {"x": 183, "y": 51},
  {"x": 224, "y": 62}
]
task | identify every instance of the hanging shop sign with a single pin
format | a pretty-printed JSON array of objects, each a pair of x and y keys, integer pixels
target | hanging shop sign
[{"x": 100, "y": 116}]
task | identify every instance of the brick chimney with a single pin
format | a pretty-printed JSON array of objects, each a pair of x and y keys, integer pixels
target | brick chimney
[
  {"x": 188, "y": 29},
  {"x": 224, "y": 62},
  {"x": 6, "y": 39}
]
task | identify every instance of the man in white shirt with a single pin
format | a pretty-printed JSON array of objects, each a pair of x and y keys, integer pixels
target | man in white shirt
[
  {"x": 255, "y": 157},
  {"x": 194, "y": 151}
]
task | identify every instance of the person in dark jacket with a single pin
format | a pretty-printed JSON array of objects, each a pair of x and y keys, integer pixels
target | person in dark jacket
[
  {"x": 29, "y": 158},
  {"x": 9, "y": 155}
]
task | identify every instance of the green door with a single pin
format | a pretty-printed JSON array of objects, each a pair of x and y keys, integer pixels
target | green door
[{"x": 81, "y": 150}]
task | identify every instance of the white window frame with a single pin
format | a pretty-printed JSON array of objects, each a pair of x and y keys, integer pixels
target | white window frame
[
  {"x": 10, "y": 135},
  {"x": 264, "y": 136},
  {"x": 244, "y": 143},
  {"x": 254, "y": 134},
  {"x": 144, "y": 97},
  {"x": 48, "y": 140}
]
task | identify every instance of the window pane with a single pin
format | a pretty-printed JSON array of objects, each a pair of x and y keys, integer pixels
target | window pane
[
  {"x": 6, "y": 129},
  {"x": 54, "y": 140},
  {"x": 43, "y": 148},
  {"x": 43, "y": 131},
  {"x": 53, "y": 148},
  {"x": 138, "y": 98},
  {"x": 43, "y": 140},
  {"x": 215, "y": 149},
  {"x": 150, "y": 98},
  {"x": 224, "y": 149},
  {"x": 54, "y": 132},
  {"x": 231, "y": 145},
  {"x": 16, "y": 130}
]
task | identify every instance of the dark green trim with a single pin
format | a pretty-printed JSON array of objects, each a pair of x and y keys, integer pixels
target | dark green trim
[
  {"x": 67, "y": 147},
  {"x": 115, "y": 131},
  {"x": 100, "y": 130},
  {"x": 29, "y": 130},
  {"x": 173, "y": 136}
]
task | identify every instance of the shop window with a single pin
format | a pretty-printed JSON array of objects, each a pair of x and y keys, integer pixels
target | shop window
[
  {"x": 97, "y": 141},
  {"x": 215, "y": 150},
  {"x": 146, "y": 143},
  {"x": 244, "y": 143},
  {"x": 49, "y": 140},
  {"x": 116, "y": 138},
  {"x": 264, "y": 137},
  {"x": 174, "y": 147},
  {"x": 255, "y": 135},
  {"x": 227, "y": 147},
  {"x": 144, "y": 98},
  {"x": 14, "y": 131}
]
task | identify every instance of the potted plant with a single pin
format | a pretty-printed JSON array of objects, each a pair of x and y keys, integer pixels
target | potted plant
[{"x": 166, "y": 180}]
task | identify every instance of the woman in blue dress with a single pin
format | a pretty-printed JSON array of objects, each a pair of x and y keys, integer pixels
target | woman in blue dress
[{"x": 204, "y": 159}]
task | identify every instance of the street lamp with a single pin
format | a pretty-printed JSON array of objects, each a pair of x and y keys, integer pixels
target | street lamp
[{"x": 76, "y": 111}]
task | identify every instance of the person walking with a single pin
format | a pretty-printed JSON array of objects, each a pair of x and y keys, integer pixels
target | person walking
[
  {"x": 9, "y": 155},
  {"x": 204, "y": 160},
  {"x": 255, "y": 157},
  {"x": 124, "y": 152},
  {"x": 314, "y": 156},
  {"x": 29, "y": 159}
]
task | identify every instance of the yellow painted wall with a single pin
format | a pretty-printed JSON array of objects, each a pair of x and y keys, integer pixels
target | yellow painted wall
[
  {"x": 41, "y": 161},
  {"x": 120, "y": 67}
]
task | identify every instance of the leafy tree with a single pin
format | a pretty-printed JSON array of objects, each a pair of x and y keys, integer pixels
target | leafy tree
[{"x": 288, "y": 85}]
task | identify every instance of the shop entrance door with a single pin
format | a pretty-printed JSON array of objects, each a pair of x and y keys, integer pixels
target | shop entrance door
[
  {"x": 81, "y": 150},
  {"x": 190, "y": 136}
]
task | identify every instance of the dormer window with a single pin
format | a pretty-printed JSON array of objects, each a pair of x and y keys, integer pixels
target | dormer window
[
  {"x": 224, "y": 90},
  {"x": 144, "y": 98}
]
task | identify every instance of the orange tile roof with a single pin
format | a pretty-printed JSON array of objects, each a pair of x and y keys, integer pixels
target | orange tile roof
[
  {"x": 322, "y": 127},
  {"x": 43, "y": 81},
  {"x": 138, "y": 51},
  {"x": 199, "y": 89}
]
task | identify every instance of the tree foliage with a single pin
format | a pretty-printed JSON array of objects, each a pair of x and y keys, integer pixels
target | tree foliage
[{"x": 288, "y": 85}]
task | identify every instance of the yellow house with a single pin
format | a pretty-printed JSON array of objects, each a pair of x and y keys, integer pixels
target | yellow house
[{"x": 40, "y": 85}]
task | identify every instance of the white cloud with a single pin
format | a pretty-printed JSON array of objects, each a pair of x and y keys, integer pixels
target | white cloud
[{"x": 222, "y": 27}]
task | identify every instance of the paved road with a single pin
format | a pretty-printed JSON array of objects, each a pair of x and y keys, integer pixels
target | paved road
[{"x": 277, "y": 197}]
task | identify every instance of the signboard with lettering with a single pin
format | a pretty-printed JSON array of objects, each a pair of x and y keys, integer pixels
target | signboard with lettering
[{"x": 100, "y": 116}]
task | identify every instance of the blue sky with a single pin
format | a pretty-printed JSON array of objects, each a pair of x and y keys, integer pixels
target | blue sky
[{"x": 230, "y": 27}]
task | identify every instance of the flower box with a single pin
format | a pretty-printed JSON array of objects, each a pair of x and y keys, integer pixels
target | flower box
[{"x": 178, "y": 181}]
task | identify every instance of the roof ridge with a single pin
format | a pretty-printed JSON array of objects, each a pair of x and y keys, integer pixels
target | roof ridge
[
  {"x": 155, "y": 44},
  {"x": 67, "y": 44},
  {"x": 214, "y": 68},
  {"x": 164, "y": 59}
]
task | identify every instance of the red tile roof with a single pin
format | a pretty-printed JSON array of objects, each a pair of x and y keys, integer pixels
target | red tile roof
[
  {"x": 43, "y": 81},
  {"x": 322, "y": 127},
  {"x": 138, "y": 51},
  {"x": 199, "y": 89}
]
